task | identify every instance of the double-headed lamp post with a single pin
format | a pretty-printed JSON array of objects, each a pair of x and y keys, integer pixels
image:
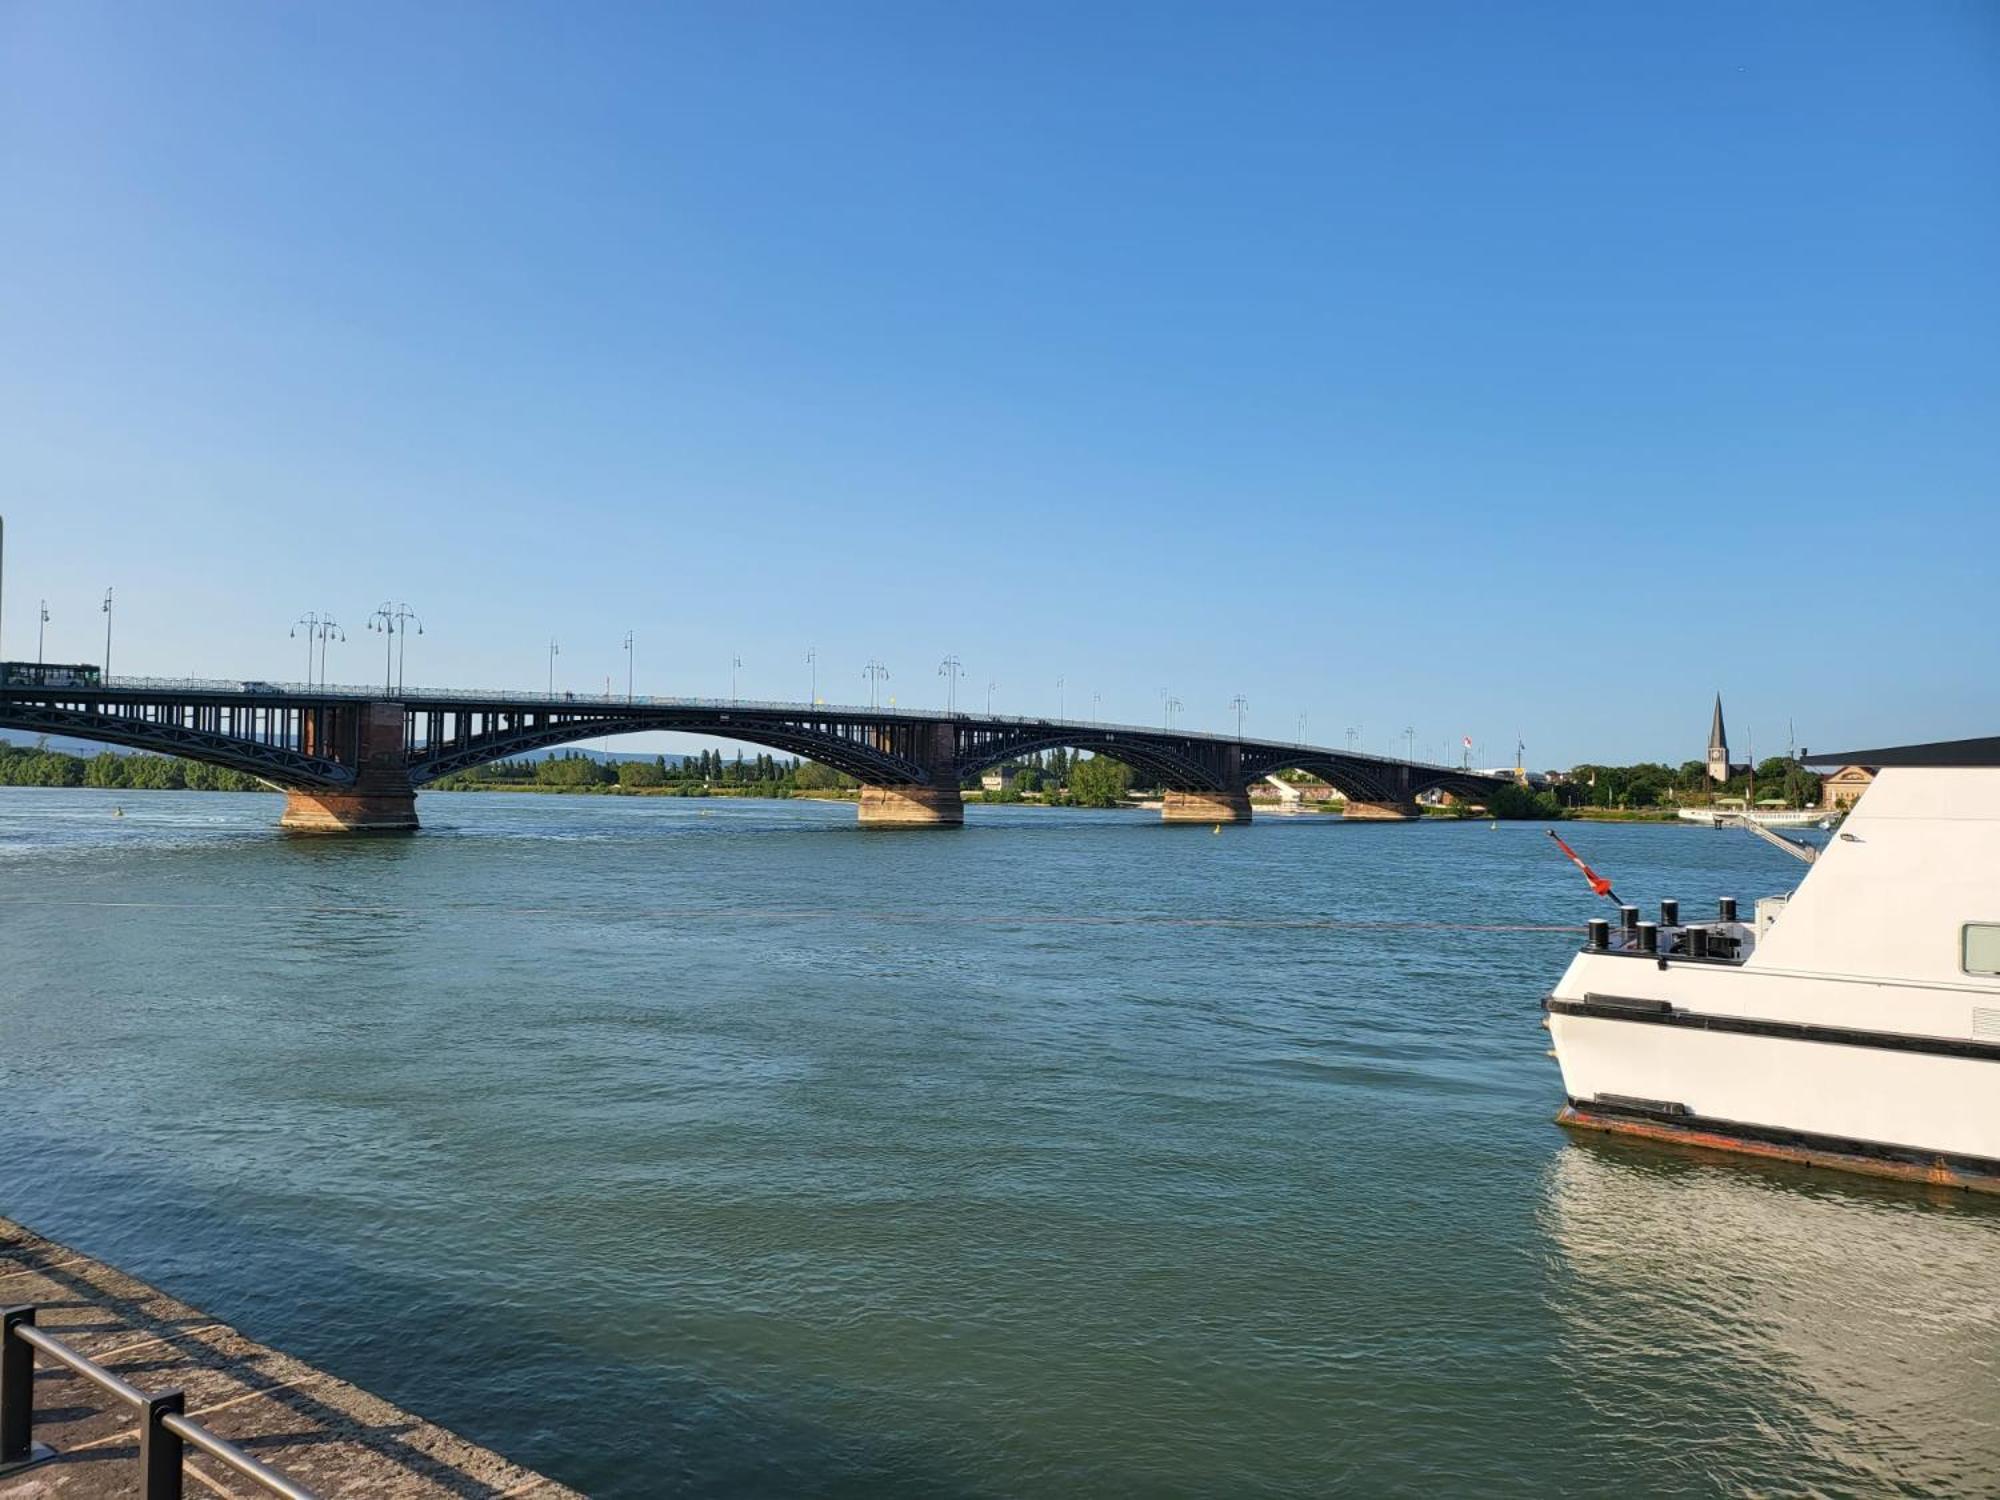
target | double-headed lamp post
[
  {"x": 949, "y": 669},
  {"x": 392, "y": 620},
  {"x": 106, "y": 608},
  {"x": 1242, "y": 705},
  {"x": 629, "y": 695},
  {"x": 555, "y": 650},
  {"x": 877, "y": 674},
  {"x": 315, "y": 626},
  {"x": 41, "y": 631}
]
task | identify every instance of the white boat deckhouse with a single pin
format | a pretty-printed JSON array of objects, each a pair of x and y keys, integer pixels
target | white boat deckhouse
[{"x": 1854, "y": 1023}]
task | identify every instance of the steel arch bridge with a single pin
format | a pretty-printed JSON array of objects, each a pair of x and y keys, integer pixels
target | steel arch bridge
[{"x": 354, "y": 758}]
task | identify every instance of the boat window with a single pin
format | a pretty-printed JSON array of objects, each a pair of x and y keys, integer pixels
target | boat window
[{"x": 1982, "y": 947}]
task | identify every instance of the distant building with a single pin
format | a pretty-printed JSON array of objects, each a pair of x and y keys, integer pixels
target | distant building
[
  {"x": 1720, "y": 768},
  {"x": 1843, "y": 787},
  {"x": 999, "y": 779}
]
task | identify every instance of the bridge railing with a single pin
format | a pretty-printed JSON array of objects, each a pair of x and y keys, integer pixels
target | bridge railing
[{"x": 419, "y": 698}]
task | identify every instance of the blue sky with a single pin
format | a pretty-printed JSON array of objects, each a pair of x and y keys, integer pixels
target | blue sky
[{"x": 1478, "y": 369}]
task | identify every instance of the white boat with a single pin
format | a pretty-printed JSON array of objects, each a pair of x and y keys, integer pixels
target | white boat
[
  {"x": 1853, "y": 1024},
  {"x": 1768, "y": 817}
]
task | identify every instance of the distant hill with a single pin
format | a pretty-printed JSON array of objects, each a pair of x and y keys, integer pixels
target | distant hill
[
  {"x": 58, "y": 742},
  {"x": 602, "y": 757}
]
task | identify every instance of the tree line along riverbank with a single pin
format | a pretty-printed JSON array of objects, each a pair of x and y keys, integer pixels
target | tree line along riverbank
[{"x": 23, "y": 765}]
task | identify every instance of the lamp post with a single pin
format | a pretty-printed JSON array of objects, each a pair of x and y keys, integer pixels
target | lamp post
[
  {"x": 629, "y": 657},
  {"x": 812, "y": 661},
  {"x": 1240, "y": 704},
  {"x": 949, "y": 669},
  {"x": 1169, "y": 706},
  {"x": 1351, "y": 733},
  {"x": 41, "y": 631},
  {"x": 1095, "y": 711},
  {"x": 876, "y": 674},
  {"x": 989, "y": 698},
  {"x": 106, "y": 608},
  {"x": 735, "y": 666},
  {"x": 555, "y": 650},
  {"x": 1303, "y": 719},
  {"x": 1060, "y": 704},
  {"x": 1410, "y": 736},
  {"x": 393, "y": 619},
  {"x": 318, "y": 627}
]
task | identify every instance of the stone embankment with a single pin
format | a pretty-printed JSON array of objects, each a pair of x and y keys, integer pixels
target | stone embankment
[{"x": 312, "y": 1427}]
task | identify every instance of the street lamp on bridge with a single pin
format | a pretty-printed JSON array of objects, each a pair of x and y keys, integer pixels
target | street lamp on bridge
[
  {"x": 318, "y": 627},
  {"x": 1241, "y": 704},
  {"x": 1169, "y": 706},
  {"x": 41, "y": 631},
  {"x": 735, "y": 666},
  {"x": 812, "y": 660},
  {"x": 876, "y": 674},
  {"x": 105, "y": 607},
  {"x": 629, "y": 658},
  {"x": 1059, "y": 699},
  {"x": 393, "y": 619},
  {"x": 949, "y": 670},
  {"x": 555, "y": 650}
]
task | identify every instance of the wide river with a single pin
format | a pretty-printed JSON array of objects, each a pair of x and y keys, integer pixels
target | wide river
[{"x": 724, "y": 1148}]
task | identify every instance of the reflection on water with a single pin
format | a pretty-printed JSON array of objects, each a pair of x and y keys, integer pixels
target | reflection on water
[{"x": 1723, "y": 1315}]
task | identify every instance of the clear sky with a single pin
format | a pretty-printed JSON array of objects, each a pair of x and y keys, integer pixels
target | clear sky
[{"x": 1474, "y": 368}]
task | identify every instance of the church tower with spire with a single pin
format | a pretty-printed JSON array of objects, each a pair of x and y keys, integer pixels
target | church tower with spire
[{"x": 1718, "y": 746}]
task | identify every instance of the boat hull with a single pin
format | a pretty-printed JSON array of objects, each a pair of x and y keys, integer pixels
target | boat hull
[
  {"x": 1884, "y": 1104},
  {"x": 1970, "y": 1174}
]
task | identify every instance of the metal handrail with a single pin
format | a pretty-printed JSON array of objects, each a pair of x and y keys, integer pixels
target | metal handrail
[
  {"x": 164, "y": 1428},
  {"x": 240, "y": 687}
]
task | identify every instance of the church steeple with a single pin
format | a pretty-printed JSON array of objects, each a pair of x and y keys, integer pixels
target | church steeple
[{"x": 1718, "y": 746}]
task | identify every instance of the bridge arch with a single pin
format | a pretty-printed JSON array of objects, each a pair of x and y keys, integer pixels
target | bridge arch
[
  {"x": 852, "y": 757},
  {"x": 279, "y": 765},
  {"x": 1173, "y": 769},
  {"x": 1353, "y": 780}
]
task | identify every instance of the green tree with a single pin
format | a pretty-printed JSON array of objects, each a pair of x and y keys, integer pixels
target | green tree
[
  {"x": 637, "y": 773},
  {"x": 814, "y": 777},
  {"x": 106, "y": 769},
  {"x": 1099, "y": 781}
]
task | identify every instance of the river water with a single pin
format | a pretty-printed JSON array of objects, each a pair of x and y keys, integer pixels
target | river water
[{"x": 720, "y": 1148}]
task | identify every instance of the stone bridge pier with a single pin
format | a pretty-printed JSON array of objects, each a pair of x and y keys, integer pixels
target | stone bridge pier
[
  {"x": 1380, "y": 812},
  {"x": 936, "y": 803},
  {"x": 381, "y": 799},
  {"x": 1228, "y": 804}
]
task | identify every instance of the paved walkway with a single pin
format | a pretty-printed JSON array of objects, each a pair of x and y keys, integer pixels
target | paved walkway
[{"x": 317, "y": 1430}]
